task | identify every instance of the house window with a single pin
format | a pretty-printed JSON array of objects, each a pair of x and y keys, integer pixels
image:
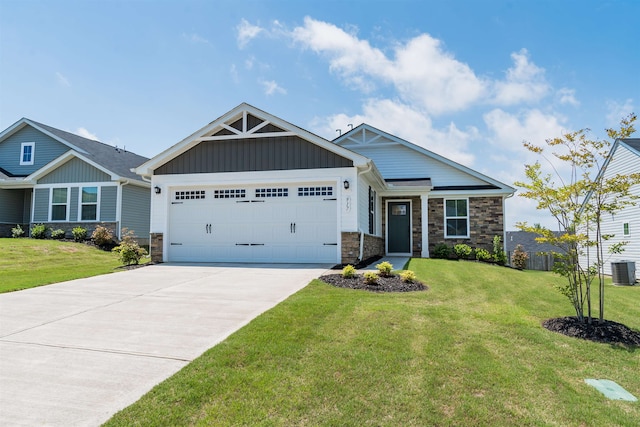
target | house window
[
  {"x": 59, "y": 204},
  {"x": 372, "y": 211},
  {"x": 27, "y": 153},
  {"x": 89, "y": 204},
  {"x": 456, "y": 218},
  {"x": 625, "y": 228}
]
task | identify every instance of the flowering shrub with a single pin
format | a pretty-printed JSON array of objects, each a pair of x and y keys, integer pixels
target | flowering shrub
[
  {"x": 102, "y": 236},
  {"x": 128, "y": 250},
  {"x": 58, "y": 234},
  {"x": 17, "y": 231},
  {"x": 519, "y": 258}
]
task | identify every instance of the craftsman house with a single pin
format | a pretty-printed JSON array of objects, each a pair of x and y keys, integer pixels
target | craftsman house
[
  {"x": 52, "y": 177},
  {"x": 251, "y": 187}
]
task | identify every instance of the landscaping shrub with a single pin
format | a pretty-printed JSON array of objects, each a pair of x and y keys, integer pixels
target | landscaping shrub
[
  {"x": 58, "y": 234},
  {"x": 441, "y": 251},
  {"x": 129, "y": 251},
  {"x": 483, "y": 255},
  {"x": 349, "y": 272},
  {"x": 519, "y": 258},
  {"x": 408, "y": 276},
  {"x": 498, "y": 252},
  {"x": 384, "y": 269},
  {"x": 102, "y": 236},
  {"x": 17, "y": 231},
  {"x": 371, "y": 278},
  {"x": 462, "y": 251},
  {"x": 79, "y": 234},
  {"x": 39, "y": 231}
]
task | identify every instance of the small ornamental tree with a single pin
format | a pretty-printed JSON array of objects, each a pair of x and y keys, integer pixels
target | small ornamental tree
[
  {"x": 519, "y": 258},
  {"x": 578, "y": 200}
]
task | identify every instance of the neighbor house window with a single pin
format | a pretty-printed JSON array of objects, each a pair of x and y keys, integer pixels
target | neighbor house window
[
  {"x": 372, "y": 211},
  {"x": 59, "y": 204},
  {"x": 625, "y": 228},
  {"x": 89, "y": 204},
  {"x": 27, "y": 153},
  {"x": 456, "y": 218}
]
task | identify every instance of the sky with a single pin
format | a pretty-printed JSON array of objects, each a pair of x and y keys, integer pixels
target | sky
[{"x": 469, "y": 80}]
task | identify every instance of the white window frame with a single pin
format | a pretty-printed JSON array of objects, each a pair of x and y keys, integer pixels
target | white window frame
[
  {"x": 51, "y": 204},
  {"x": 446, "y": 229},
  {"x": 22, "y": 152},
  {"x": 81, "y": 203}
]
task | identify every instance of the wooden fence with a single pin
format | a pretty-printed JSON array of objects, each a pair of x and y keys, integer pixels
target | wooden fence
[{"x": 536, "y": 261}]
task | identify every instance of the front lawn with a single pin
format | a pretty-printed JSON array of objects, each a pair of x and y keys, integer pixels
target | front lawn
[
  {"x": 469, "y": 351},
  {"x": 26, "y": 263}
]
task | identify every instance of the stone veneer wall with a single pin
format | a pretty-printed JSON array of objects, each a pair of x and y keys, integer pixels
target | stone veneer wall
[
  {"x": 155, "y": 247},
  {"x": 416, "y": 221},
  {"x": 373, "y": 245},
  {"x": 485, "y": 221}
]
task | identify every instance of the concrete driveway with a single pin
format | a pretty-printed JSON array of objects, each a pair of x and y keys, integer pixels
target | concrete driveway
[{"x": 74, "y": 353}]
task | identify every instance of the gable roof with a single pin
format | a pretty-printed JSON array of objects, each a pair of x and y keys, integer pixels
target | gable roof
[
  {"x": 118, "y": 162},
  {"x": 491, "y": 184},
  {"x": 223, "y": 128}
]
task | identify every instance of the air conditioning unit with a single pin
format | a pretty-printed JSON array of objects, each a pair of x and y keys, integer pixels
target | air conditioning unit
[{"x": 623, "y": 273}]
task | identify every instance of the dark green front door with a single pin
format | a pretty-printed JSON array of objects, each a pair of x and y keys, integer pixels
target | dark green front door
[{"x": 399, "y": 228}]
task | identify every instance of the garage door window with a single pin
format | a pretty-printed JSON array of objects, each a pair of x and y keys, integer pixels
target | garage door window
[
  {"x": 237, "y": 193},
  {"x": 272, "y": 192},
  {"x": 315, "y": 191},
  {"x": 187, "y": 195}
]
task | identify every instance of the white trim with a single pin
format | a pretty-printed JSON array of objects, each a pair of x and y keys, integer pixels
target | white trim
[
  {"x": 424, "y": 204},
  {"x": 444, "y": 206},
  {"x": 33, "y": 153},
  {"x": 67, "y": 204},
  {"x": 386, "y": 231},
  {"x": 79, "y": 216}
]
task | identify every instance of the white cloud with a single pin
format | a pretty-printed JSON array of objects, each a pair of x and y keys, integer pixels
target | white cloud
[
  {"x": 407, "y": 123},
  {"x": 509, "y": 130},
  {"x": 567, "y": 96},
  {"x": 62, "y": 80},
  {"x": 271, "y": 87},
  {"x": 86, "y": 134},
  {"x": 195, "y": 38},
  {"x": 247, "y": 32},
  {"x": 422, "y": 71},
  {"x": 525, "y": 82},
  {"x": 617, "y": 111}
]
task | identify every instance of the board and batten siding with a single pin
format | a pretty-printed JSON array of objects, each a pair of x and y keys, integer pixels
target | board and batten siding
[
  {"x": 41, "y": 205},
  {"x": 73, "y": 204},
  {"x": 46, "y": 149},
  {"x": 397, "y": 161},
  {"x": 252, "y": 155},
  {"x": 26, "y": 210},
  {"x": 108, "y": 203},
  {"x": 623, "y": 162},
  {"x": 12, "y": 206},
  {"x": 75, "y": 170},
  {"x": 136, "y": 209}
]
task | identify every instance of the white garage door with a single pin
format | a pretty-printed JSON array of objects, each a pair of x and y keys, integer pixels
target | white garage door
[{"x": 254, "y": 224}]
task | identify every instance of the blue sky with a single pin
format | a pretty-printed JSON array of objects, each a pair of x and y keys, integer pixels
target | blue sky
[{"x": 469, "y": 80}]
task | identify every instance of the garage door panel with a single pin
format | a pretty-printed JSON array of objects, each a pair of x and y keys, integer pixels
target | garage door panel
[{"x": 267, "y": 224}]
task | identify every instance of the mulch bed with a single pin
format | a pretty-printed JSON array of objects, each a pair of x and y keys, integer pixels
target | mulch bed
[
  {"x": 385, "y": 284},
  {"x": 607, "y": 331}
]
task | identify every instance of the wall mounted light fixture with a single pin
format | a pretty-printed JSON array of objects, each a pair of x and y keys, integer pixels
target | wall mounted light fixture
[
  {"x": 157, "y": 189},
  {"x": 346, "y": 184}
]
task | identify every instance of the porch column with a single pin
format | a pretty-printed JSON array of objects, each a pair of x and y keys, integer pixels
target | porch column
[{"x": 424, "y": 203}]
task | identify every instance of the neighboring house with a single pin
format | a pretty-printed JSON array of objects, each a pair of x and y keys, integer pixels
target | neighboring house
[
  {"x": 528, "y": 242},
  {"x": 52, "y": 177},
  {"x": 252, "y": 187},
  {"x": 623, "y": 159}
]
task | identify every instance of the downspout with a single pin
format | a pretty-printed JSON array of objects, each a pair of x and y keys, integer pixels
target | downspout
[
  {"x": 361, "y": 254},
  {"x": 504, "y": 226}
]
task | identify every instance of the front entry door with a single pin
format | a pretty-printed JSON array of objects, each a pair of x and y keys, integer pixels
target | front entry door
[{"x": 399, "y": 228}]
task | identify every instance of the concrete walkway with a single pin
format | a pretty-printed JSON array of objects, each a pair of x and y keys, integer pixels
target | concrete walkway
[
  {"x": 75, "y": 353},
  {"x": 398, "y": 263}
]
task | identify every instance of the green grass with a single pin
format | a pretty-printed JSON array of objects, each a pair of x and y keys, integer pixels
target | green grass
[
  {"x": 27, "y": 263},
  {"x": 470, "y": 351}
]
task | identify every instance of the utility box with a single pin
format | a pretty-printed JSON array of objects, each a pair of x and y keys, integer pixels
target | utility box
[{"x": 623, "y": 273}]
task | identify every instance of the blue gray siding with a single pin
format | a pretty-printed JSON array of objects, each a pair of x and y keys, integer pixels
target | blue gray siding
[
  {"x": 41, "y": 207},
  {"x": 12, "y": 206},
  {"x": 73, "y": 204},
  {"x": 46, "y": 150},
  {"x": 108, "y": 202},
  {"x": 26, "y": 210},
  {"x": 136, "y": 205},
  {"x": 75, "y": 170}
]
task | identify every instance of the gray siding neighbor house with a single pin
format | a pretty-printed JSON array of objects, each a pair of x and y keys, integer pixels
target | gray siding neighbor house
[{"x": 52, "y": 177}]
